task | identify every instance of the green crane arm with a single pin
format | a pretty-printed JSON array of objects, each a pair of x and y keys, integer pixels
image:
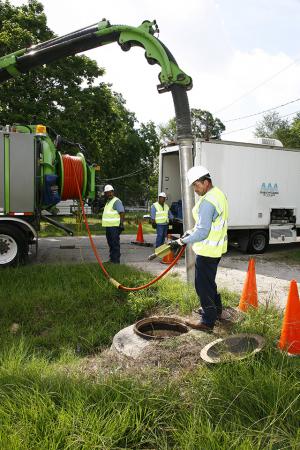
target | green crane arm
[{"x": 94, "y": 36}]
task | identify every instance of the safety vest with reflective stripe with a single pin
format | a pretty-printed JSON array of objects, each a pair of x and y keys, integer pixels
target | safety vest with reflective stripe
[
  {"x": 162, "y": 213},
  {"x": 216, "y": 242},
  {"x": 110, "y": 217}
]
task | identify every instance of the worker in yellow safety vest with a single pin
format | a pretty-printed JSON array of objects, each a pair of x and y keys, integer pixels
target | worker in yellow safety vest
[
  {"x": 113, "y": 220},
  {"x": 160, "y": 216},
  {"x": 209, "y": 242}
]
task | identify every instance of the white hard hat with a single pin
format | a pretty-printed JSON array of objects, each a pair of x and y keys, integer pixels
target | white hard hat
[
  {"x": 162, "y": 194},
  {"x": 195, "y": 173},
  {"x": 108, "y": 188}
]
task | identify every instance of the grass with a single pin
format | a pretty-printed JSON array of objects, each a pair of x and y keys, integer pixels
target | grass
[
  {"x": 290, "y": 256},
  {"x": 74, "y": 307},
  {"x": 78, "y": 226},
  {"x": 65, "y": 312}
]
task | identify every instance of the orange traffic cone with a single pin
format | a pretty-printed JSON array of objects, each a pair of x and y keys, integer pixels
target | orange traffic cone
[
  {"x": 140, "y": 238},
  {"x": 169, "y": 258},
  {"x": 290, "y": 331},
  {"x": 249, "y": 294},
  {"x": 139, "y": 235}
]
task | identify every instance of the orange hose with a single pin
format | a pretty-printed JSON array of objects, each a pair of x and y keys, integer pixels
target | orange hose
[
  {"x": 71, "y": 165},
  {"x": 106, "y": 274}
]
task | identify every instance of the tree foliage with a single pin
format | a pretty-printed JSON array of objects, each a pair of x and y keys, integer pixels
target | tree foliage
[
  {"x": 204, "y": 126},
  {"x": 273, "y": 126},
  {"x": 69, "y": 96}
]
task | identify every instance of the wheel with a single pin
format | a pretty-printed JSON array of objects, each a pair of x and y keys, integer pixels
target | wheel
[
  {"x": 12, "y": 246},
  {"x": 258, "y": 242}
]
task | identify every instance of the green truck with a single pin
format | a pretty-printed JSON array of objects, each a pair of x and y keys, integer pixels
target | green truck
[
  {"x": 34, "y": 174},
  {"x": 34, "y": 177}
]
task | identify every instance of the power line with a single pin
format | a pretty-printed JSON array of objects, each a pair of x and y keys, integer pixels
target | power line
[
  {"x": 261, "y": 112},
  {"x": 257, "y": 86},
  {"x": 254, "y": 125},
  {"x": 125, "y": 176}
]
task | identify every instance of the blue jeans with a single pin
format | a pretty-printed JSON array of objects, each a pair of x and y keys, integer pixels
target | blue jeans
[
  {"x": 206, "y": 288},
  {"x": 162, "y": 231},
  {"x": 113, "y": 240}
]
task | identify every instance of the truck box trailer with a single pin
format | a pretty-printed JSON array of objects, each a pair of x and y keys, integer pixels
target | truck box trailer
[{"x": 261, "y": 183}]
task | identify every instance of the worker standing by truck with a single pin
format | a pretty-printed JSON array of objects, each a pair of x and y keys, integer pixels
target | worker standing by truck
[
  {"x": 113, "y": 220},
  {"x": 209, "y": 241},
  {"x": 160, "y": 216}
]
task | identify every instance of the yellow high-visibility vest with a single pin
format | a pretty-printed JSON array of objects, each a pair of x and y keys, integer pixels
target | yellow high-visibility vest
[
  {"x": 162, "y": 213},
  {"x": 215, "y": 245},
  {"x": 110, "y": 217}
]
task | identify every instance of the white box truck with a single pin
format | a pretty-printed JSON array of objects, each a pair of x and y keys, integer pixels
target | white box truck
[{"x": 261, "y": 183}]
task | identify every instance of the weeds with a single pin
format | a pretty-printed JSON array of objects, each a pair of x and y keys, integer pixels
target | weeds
[{"x": 62, "y": 315}]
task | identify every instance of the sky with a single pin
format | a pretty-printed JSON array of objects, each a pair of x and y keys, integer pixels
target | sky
[{"x": 243, "y": 56}]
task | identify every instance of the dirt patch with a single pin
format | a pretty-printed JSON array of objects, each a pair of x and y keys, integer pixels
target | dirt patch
[{"x": 170, "y": 358}]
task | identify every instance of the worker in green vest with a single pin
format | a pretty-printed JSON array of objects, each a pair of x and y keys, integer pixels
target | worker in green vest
[
  {"x": 209, "y": 242},
  {"x": 113, "y": 221},
  {"x": 160, "y": 215}
]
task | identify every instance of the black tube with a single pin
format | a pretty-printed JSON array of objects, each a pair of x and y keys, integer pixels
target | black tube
[
  {"x": 66, "y": 37},
  {"x": 182, "y": 111},
  {"x": 61, "y": 50}
]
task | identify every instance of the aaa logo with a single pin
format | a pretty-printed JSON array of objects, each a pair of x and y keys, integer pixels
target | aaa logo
[{"x": 269, "y": 190}]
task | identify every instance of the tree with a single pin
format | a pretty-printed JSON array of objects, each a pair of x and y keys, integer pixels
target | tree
[
  {"x": 204, "y": 126},
  {"x": 294, "y": 138},
  {"x": 67, "y": 96},
  {"x": 138, "y": 152},
  {"x": 270, "y": 125},
  {"x": 273, "y": 126},
  {"x": 167, "y": 132}
]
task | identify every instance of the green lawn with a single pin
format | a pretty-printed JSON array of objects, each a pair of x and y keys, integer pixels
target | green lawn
[
  {"x": 79, "y": 229},
  {"x": 54, "y": 316}
]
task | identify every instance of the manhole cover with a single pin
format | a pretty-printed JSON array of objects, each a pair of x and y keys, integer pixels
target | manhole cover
[
  {"x": 232, "y": 348},
  {"x": 159, "y": 328}
]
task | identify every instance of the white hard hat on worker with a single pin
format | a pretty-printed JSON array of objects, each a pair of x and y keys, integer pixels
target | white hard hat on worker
[
  {"x": 195, "y": 173},
  {"x": 108, "y": 188},
  {"x": 162, "y": 194}
]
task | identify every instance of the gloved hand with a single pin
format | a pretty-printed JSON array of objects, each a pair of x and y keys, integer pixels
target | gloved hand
[
  {"x": 154, "y": 225},
  {"x": 121, "y": 228},
  {"x": 176, "y": 245}
]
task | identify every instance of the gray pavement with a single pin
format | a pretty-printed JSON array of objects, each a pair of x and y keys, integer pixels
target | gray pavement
[{"x": 54, "y": 250}]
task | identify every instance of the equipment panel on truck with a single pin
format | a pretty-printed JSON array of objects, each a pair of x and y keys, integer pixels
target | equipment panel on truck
[{"x": 21, "y": 172}]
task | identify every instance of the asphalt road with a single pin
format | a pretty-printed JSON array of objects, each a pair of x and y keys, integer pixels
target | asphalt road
[{"x": 78, "y": 249}]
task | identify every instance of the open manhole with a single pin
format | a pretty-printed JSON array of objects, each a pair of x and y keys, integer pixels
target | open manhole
[
  {"x": 159, "y": 328},
  {"x": 232, "y": 348}
]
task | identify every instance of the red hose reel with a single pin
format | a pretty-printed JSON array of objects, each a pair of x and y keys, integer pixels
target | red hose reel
[{"x": 72, "y": 170}]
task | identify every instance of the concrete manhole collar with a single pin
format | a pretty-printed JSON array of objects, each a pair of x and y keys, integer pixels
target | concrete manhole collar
[{"x": 158, "y": 328}]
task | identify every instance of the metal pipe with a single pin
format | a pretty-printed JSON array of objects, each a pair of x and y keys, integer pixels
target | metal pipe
[
  {"x": 185, "y": 139},
  {"x": 58, "y": 225},
  {"x": 186, "y": 162}
]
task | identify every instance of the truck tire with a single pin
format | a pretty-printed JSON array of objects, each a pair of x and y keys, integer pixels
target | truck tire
[
  {"x": 258, "y": 242},
  {"x": 13, "y": 246}
]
